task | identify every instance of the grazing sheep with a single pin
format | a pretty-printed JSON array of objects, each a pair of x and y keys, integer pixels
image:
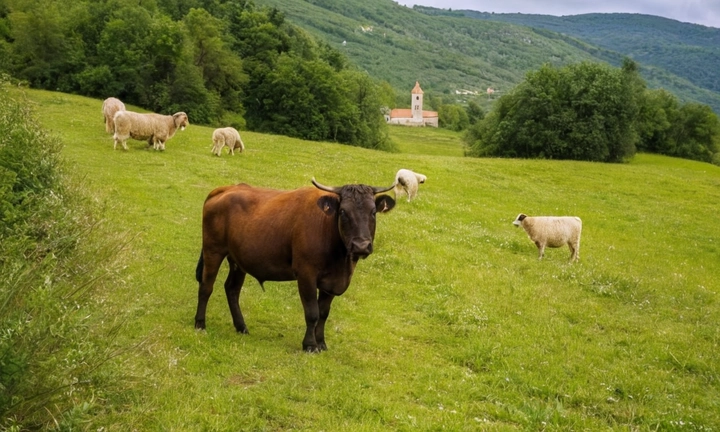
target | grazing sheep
[
  {"x": 110, "y": 106},
  {"x": 407, "y": 182},
  {"x": 156, "y": 128},
  {"x": 552, "y": 231},
  {"x": 229, "y": 137}
]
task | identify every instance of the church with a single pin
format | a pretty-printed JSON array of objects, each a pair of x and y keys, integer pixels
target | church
[{"x": 414, "y": 116}]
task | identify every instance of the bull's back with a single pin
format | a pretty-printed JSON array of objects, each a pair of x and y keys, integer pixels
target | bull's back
[{"x": 258, "y": 226}]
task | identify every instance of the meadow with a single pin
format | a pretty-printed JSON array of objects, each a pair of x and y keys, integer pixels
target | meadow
[{"x": 451, "y": 324}]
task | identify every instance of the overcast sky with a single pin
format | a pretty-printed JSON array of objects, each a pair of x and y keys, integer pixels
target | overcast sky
[{"x": 705, "y": 12}]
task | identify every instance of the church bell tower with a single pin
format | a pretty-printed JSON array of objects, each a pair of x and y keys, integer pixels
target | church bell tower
[{"x": 417, "y": 103}]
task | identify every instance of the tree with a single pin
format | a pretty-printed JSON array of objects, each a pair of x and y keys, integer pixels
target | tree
[
  {"x": 658, "y": 114},
  {"x": 697, "y": 134},
  {"x": 220, "y": 68},
  {"x": 453, "y": 117},
  {"x": 474, "y": 112},
  {"x": 584, "y": 111}
]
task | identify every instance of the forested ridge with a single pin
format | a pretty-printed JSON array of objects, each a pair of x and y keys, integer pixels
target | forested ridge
[
  {"x": 449, "y": 51},
  {"x": 667, "y": 48}
]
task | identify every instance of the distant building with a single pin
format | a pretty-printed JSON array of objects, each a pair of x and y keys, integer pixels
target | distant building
[{"x": 415, "y": 116}]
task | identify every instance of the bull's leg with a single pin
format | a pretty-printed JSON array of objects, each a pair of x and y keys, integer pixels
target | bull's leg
[
  {"x": 308, "y": 296},
  {"x": 324, "y": 302},
  {"x": 233, "y": 285},
  {"x": 211, "y": 264}
]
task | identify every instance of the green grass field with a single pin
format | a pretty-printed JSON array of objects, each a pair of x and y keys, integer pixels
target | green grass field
[{"x": 452, "y": 324}]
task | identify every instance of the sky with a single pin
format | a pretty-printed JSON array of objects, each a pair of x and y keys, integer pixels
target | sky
[{"x": 704, "y": 12}]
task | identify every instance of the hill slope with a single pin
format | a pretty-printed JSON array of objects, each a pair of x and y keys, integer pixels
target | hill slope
[
  {"x": 452, "y": 323},
  {"x": 448, "y": 53},
  {"x": 665, "y": 47},
  {"x": 688, "y": 50}
]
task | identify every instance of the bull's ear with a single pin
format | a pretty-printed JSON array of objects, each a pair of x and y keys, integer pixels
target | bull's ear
[
  {"x": 384, "y": 203},
  {"x": 328, "y": 204}
]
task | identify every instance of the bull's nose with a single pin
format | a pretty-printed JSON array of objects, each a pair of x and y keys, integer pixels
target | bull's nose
[{"x": 362, "y": 248}]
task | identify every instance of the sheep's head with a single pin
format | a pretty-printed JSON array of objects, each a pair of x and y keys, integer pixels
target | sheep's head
[
  {"x": 421, "y": 178},
  {"x": 181, "y": 120},
  {"x": 518, "y": 220}
]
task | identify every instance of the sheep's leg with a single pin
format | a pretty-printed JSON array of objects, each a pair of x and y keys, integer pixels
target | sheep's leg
[
  {"x": 232, "y": 150},
  {"x": 574, "y": 251},
  {"x": 541, "y": 249}
]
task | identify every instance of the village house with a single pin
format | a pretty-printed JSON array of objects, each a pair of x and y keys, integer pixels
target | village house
[{"x": 415, "y": 116}]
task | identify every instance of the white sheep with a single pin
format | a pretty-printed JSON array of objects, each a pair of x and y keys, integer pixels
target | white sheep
[
  {"x": 110, "y": 106},
  {"x": 552, "y": 231},
  {"x": 407, "y": 182},
  {"x": 155, "y": 128},
  {"x": 229, "y": 137}
]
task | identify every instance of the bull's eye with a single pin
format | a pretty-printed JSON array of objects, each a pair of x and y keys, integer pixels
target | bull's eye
[{"x": 373, "y": 213}]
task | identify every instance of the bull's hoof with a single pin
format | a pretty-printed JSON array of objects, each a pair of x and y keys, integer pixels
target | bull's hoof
[
  {"x": 200, "y": 324},
  {"x": 243, "y": 330},
  {"x": 311, "y": 348},
  {"x": 322, "y": 346}
]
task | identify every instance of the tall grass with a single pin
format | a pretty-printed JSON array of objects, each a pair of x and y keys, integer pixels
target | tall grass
[
  {"x": 452, "y": 323},
  {"x": 56, "y": 256}
]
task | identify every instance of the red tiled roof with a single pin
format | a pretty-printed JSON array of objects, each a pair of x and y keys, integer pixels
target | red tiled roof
[
  {"x": 400, "y": 113},
  {"x": 407, "y": 113}
]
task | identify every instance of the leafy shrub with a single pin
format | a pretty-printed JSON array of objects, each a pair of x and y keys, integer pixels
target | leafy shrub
[
  {"x": 584, "y": 111},
  {"x": 55, "y": 258}
]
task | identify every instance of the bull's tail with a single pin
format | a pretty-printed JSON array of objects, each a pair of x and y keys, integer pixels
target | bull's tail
[{"x": 199, "y": 268}]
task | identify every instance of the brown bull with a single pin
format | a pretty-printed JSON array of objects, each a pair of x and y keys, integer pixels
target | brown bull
[{"x": 312, "y": 235}]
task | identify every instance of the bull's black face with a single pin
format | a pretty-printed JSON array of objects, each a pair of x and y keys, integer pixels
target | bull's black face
[
  {"x": 356, "y": 206},
  {"x": 356, "y": 218}
]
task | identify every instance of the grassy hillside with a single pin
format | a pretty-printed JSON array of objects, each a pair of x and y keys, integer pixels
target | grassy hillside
[
  {"x": 401, "y": 45},
  {"x": 451, "y": 324},
  {"x": 687, "y": 50},
  {"x": 452, "y": 52}
]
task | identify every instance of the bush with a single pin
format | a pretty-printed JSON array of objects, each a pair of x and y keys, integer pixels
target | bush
[
  {"x": 584, "y": 111},
  {"x": 55, "y": 259}
]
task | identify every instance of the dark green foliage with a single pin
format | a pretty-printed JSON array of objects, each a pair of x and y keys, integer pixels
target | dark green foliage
[
  {"x": 690, "y": 131},
  {"x": 475, "y": 112},
  {"x": 53, "y": 352},
  {"x": 582, "y": 112},
  {"x": 453, "y": 117},
  {"x": 306, "y": 99},
  {"x": 28, "y": 166}
]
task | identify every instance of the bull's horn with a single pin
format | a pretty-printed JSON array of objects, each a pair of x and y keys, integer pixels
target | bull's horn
[
  {"x": 335, "y": 190},
  {"x": 378, "y": 190}
]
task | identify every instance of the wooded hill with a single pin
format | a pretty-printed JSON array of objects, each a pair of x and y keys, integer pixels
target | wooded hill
[{"x": 452, "y": 50}]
